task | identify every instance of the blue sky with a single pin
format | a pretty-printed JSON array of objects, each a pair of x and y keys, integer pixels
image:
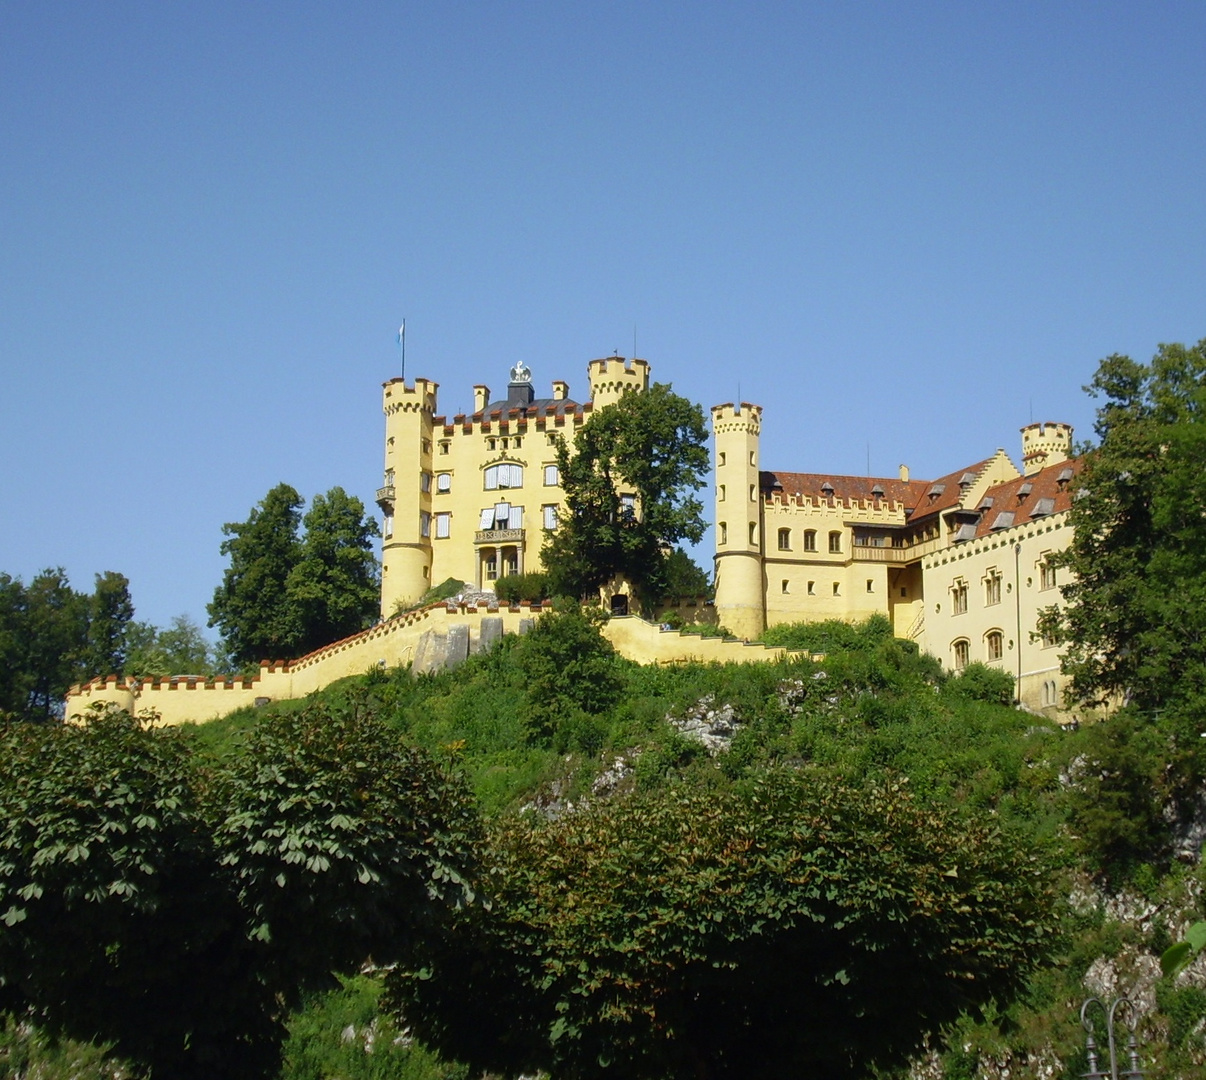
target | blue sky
[{"x": 905, "y": 229}]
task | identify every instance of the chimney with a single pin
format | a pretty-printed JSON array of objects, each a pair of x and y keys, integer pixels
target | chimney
[{"x": 481, "y": 397}]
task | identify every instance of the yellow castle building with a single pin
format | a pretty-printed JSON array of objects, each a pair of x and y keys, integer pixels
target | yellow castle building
[
  {"x": 469, "y": 496},
  {"x": 960, "y": 565}
]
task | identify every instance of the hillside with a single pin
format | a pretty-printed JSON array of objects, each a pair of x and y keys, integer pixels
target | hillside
[{"x": 554, "y": 733}]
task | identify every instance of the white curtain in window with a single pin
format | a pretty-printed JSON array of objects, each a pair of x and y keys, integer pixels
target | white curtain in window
[
  {"x": 487, "y": 519},
  {"x": 516, "y": 518},
  {"x": 443, "y": 525}
]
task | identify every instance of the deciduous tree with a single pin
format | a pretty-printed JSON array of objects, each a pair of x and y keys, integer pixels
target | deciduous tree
[
  {"x": 629, "y": 480},
  {"x": 731, "y": 933}
]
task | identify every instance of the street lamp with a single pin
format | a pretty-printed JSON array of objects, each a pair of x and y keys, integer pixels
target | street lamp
[{"x": 1095, "y": 1073}]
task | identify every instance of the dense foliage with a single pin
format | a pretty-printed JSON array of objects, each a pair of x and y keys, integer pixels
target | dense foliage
[
  {"x": 135, "y": 873},
  {"x": 629, "y": 480},
  {"x": 285, "y": 593},
  {"x": 52, "y": 636},
  {"x": 732, "y": 931}
]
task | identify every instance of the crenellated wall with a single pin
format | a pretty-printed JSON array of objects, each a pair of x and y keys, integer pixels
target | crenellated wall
[{"x": 399, "y": 641}]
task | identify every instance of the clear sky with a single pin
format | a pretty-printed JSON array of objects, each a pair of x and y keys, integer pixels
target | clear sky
[{"x": 906, "y": 229}]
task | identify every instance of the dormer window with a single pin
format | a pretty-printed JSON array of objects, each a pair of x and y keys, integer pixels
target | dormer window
[
  {"x": 935, "y": 491},
  {"x": 827, "y": 490},
  {"x": 878, "y": 491},
  {"x": 1064, "y": 476},
  {"x": 1043, "y": 507},
  {"x": 985, "y": 503},
  {"x": 967, "y": 479},
  {"x": 1024, "y": 491}
]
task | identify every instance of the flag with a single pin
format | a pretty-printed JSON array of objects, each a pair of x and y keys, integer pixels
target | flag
[{"x": 402, "y": 332}]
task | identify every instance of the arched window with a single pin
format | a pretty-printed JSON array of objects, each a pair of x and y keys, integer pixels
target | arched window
[
  {"x": 835, "y": 542},
  {"x": 961, "y": 653},
  {"x": 810, "y": 539},
  {"x": 994, "y": 645},
  {"x": 785, "y": 540},
  {"x": 504, "y": 476}
]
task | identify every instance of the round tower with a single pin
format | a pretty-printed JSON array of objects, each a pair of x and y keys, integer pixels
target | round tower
[
  {"x": 1044, "y": 445},
  {"x": 740, "y": 593},
  {"x": 612, "y": 378},
  {"x": 405, "y": 493}
]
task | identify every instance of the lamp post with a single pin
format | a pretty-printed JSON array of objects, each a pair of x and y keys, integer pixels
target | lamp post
[{"x": 1095, "y": 1073}]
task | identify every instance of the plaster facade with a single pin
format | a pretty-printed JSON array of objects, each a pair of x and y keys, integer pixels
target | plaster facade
[
  {"x": 958, "y": 564},
  {"x": 469, "y": 496}
]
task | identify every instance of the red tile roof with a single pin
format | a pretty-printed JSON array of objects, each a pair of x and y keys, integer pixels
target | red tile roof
[{"x": 1043, "y": 485}]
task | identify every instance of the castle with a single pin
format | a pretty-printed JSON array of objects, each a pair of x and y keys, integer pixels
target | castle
[
  {"x": 469, "y": 497},
  {"x": 960, "y": 564}
]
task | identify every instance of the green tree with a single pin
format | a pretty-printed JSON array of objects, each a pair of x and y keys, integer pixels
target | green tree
[
  {"x": 730, "y": 933},
  {"x": 251, "y": 607},
  {"x": 335, "y": 587},
  {"x": 684, "y": 578},
  {"x": 178, "y": 907},
  {"x": 179, "y": 648},
  {"x": 1134, "y": 614},
  {"x": 284, "y": 594},
  {"x": 629, "y": 480},
  {"x": 110, "y": 612}
]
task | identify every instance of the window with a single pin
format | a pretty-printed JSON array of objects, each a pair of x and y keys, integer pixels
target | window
[
  {"x": 628, "y": 506},
  {"x": 491, "y": 566},
  {"x": 550, "y": 516},
  {"x": 785, "y": 541},
  {"x": 720, "y": 458},
  {"x": 753, "y": 462},
  {"x": 837, "y": 588},
  {"x": 812, "y": 588},
  {"x": 870, "y": 585},
  {"x": 835, "y": 543},
  {"x": 783, "y": 586},
  {"x": 1046, "y": 574},
  {"x": 444, "y": 482},
  {"x": 724, "y": 532},
  {"x": 720, "y": 493},
  {"x": 387, "y": 526},
  {"x": 961, "y": 653},
  {"x": 810, "y": 540},
  {"x": 504, "y": 476},
  {"x": 959, "y": 598},
  {"x": 424, "y": 523},
  {"x": 443, "y": 526},
  {"x": 551, "y": 476},
  {"x": 1049, "y": 641},
  {"x": 754, "y": 533},
  {"x": 501, "y": 516},
  {"x": 389, "y": 478},
  {"x": 753, "y": 493},
  {"x": 992, "y": 588},
  {"x": 445, "y": 446},
  {"x": 994, "y": 645},
  {"x": 425, "y": 481},
  {"x": 427, "y": 446}
]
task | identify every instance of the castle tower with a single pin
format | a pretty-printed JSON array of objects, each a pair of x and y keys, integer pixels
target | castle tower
[
  {"x": 612, "y": 378},
  {"x": 740, "y": 596},
  {"x": 1044, "y": 445},
  {"x": 405, "y": 493}
]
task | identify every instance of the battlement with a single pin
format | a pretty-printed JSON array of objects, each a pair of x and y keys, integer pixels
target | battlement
[
  {"x": 1045, "y": 444},
  {"x": 729, "y": 418},
  {"x": 613, "y": 377},
  {"x": 398, "y": 397}
]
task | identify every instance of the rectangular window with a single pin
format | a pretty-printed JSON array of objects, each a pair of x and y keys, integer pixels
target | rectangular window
[
  {"x": 487, "y": 518},
  {"x": 387, "y": 526},
  {"x": 550, "y": 517},
  {"x": 724, "y": 532},
  {"x": 783, "y": 586},
  {"x": 810, "y": 540},
  {"x": 992, "y": 588},
  {"x": 994, "y": 645},
  {"x": 425, "y": 481},
  {"x": 870, "y": 585},
  {"x": 720, "y": 458},
  {"x": 443, "y": 526},
  {"x": 445, "y": 446},
  {"x": 961, "y": 654},
  {"x": 812, "y": 588},
  {"x": 959, "y": 597},
  {"x": 785, "y": 539},
  {"x": 1046, "y": 574},
  {"x": 551, "y": 476},
  {"x": 835, "y": 543},
  {"x": 444, "y": 482},
  {"x": 515, "y": 518},
  {"x": 837, "y": 590},
  {"x": 720, "y": 493},
  {"x": 424, "y": 523}
]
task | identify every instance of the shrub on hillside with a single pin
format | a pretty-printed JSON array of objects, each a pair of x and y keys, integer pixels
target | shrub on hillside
[
  {"x": 515, "y": 588},
  {"x": 831, "y": 635},
  {"x": 979, "y": 682}
]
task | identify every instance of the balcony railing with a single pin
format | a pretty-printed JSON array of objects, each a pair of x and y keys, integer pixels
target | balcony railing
[
  {"x": 385, "y": 497},
  {"x": 870, "y": 553},
  {"x": 499, "y": 536}
]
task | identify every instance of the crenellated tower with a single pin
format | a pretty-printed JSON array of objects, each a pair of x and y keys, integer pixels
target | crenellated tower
[
  {"x": 1044, "y": 445},
  {"x": 405, "y": 494},
  {"x": 740, "y": 591},
  {"x": 612, "y": 378}
]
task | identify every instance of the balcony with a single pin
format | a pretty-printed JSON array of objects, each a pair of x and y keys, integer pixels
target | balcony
[
  {"x": 499, "y": 536},
  {"x": 385, "y": 498},
  {"x": 870, "y": 553}
]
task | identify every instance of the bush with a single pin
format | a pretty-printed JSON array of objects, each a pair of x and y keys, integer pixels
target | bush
[
  {"x": 515, "y": 588},
  {"x": 832, "y": 635},
  {"x": 979, "y": 682}
]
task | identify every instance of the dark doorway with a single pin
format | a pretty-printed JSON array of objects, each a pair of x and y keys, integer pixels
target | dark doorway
[{"x": 619, "y": 604}]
